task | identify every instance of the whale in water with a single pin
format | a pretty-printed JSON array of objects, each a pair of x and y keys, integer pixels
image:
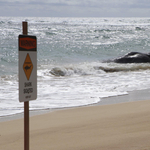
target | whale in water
[{"x": 133, "y": 57}]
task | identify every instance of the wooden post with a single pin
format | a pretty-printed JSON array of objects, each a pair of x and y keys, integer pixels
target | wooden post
[{"x": 26, "y": 104}]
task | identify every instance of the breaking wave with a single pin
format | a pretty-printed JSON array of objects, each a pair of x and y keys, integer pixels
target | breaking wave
[
  {"x": 97, "y": 69},
  {"x": 121, "y": 68}
]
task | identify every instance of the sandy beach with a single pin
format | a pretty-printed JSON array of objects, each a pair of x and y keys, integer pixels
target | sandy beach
[{"x": 124, "y": 126}]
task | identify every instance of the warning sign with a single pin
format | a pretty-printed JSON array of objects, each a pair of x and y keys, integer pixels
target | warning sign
[
  {"x": 27, "y": 42},
  {"x": 27, "y": 66}
]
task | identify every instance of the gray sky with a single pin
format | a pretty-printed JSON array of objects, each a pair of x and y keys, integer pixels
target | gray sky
[{"x": 75, "y": 8}]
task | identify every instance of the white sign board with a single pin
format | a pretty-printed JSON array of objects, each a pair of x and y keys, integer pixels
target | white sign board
[{"x": 27, "y": 68}]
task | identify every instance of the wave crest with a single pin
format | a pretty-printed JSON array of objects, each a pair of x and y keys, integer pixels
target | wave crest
[
  {"x": 123, "y": 67},
  {"x": 82, "y": 70}
]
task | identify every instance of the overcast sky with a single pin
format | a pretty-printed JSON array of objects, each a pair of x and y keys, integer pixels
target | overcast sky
[{"x": 75, "y": 8}]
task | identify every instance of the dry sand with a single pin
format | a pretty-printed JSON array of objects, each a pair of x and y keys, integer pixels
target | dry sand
[{"x": 124, "y": 126}]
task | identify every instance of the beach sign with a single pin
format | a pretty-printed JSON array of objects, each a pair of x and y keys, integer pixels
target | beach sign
[{"x": 27, "y": 68}]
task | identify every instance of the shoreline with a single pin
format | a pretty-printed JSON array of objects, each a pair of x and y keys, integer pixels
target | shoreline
[
  {"x": 122, "y": 126},
  {"x": 137, "y": 95}
]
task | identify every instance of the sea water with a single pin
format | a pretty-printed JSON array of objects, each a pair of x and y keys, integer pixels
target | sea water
[{"x": 70, "y": 55}]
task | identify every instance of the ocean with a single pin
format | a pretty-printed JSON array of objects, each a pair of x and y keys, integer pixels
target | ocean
[{"x": 71, "y": 55}]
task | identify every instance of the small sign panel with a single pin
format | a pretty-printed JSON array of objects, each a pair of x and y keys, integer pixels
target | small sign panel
[
  {"x": 27, "y": 68},
  {"x": 27, "y": 43}
]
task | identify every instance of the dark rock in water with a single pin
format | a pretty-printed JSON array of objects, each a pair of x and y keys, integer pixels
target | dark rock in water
[
  {"x": 133, "y": 57},
  {"x": 57, "y": 72}
]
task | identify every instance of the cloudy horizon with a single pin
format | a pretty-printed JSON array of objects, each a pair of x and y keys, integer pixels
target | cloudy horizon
[{"x": 75, "y": 8}]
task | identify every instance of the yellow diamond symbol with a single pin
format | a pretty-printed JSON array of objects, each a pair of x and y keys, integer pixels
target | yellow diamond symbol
[{"x": 28, "y": 66}]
